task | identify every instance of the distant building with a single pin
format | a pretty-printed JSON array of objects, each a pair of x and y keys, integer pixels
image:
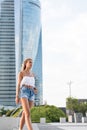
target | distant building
[
  {"x": 30, "y": 45},
  {"x": 82, "y": 101},
  {"x": 7, "y": 53}
]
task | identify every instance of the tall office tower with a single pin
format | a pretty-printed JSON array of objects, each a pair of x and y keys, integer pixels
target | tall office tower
[
  {"x": 7, "y": 53},
  {"x": 31, "y": 40}
]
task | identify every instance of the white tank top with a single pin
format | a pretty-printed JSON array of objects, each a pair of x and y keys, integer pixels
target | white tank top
[{"x": 27, "y": 80}]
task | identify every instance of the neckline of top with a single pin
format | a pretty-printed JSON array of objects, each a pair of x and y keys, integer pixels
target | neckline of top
[{"x": 28, "y": 76}]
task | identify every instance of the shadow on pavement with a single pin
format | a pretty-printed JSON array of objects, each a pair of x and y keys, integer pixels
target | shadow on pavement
[{"x": 48, "y": 127}]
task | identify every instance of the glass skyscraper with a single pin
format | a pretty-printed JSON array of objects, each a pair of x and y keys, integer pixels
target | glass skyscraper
[
  {"x": 7, "y": 53},
  {"x": 31, "y": 40}
]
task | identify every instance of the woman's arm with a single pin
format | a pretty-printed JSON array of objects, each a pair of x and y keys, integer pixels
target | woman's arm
[
  {"x": 35, "y": 89},
  {"x": 20, "y": 76}
]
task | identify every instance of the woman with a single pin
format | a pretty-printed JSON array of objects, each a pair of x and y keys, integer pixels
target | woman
[{"x": 26, "y": 89}]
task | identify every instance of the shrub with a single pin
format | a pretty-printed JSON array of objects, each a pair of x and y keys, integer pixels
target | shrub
[
  {"x": 51, "y": 113},
  {"x": 2, "y": 111},
  {"x": 8, "y": 113}
]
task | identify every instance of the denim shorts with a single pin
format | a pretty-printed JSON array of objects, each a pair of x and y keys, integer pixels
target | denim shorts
[{"x": 27, "y": 93}]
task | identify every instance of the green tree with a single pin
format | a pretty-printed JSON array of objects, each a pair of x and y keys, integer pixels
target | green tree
[
  {"x": 74, "y": 105},
  {"x": 82, "y": 108}
]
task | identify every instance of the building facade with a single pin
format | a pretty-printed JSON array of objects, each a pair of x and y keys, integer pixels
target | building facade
[
  {"x": 29, "y": 46},
  {"x": 31, "y": 40},
  {"x": 7, "y": 53}
]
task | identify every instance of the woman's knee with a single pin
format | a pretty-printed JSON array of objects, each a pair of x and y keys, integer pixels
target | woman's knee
[
  {"x": 27, "y": 114},
  {"x": 23, "y": 113}
]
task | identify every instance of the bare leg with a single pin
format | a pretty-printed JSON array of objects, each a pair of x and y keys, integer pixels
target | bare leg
[
  {"x": 26, "y": 117},
  {"x": 31, "y": 104},
  {"x": 22, "y": 120}
]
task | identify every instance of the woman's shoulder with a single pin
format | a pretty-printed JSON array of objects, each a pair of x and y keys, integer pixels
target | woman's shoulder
[{"x": 20, "y": 73}]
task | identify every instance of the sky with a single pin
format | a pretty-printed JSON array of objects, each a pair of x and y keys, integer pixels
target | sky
[{"x": 64, "y": 42}]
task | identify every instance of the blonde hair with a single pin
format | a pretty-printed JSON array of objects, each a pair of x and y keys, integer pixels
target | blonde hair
[{"x": 24, "y": 63}]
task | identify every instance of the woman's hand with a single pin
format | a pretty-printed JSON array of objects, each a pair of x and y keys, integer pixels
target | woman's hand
[
  {"x": 17, "y": 100},
  {"x": 35, "y": 90}
]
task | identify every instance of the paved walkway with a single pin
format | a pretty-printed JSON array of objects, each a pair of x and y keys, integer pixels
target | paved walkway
[
  {"x": 59, "y": 126},
  {"x": 10, "y": 123},
  {"x": 71, "y": 126}
]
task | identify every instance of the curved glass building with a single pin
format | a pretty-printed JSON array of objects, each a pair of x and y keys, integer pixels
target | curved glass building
[
  {"x": 29, "y": 45},
  {"x": 7, "y": 53},
  {"x": 31, "y": 40}
]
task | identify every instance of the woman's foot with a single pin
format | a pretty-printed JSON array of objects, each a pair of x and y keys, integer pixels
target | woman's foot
[{"x": 19, "y": 129}]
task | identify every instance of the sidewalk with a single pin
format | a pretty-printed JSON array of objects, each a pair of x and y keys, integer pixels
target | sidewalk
[
  {"x": 71, "y": 126},
  {"x": 35, "y": 127},
  {"x": 60, "y": 126},
  {"x": 10, "y": 123}
]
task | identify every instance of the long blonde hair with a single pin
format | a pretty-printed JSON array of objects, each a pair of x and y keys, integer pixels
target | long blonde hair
[{"x": 24, "y": 63}]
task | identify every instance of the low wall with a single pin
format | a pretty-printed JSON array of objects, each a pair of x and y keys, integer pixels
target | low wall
[{"x": 9, "y": 123}]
